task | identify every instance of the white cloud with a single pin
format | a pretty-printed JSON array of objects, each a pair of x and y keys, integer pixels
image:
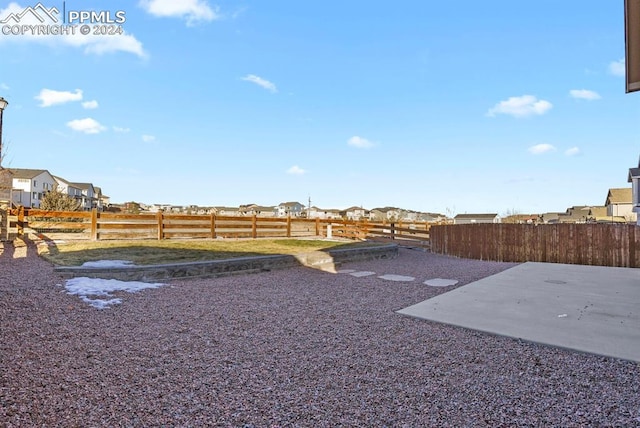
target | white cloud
[
  {"x": 89, "y": 105},
  {"x": 87, "y": 126},
  {"x": 261, "y": 82},
  {"x": 296, "y": 170},
  {"x": 584, "y": 94},
  {"x": 617, "y": 68},
  {"x": 4, "y": 86},
  {"x": 194, "y": 11},
  {"x": 360, "y": 143},
  {"x": 526, "y": 105},
  {"x": 120, "y": 129},
  {"x": 539, "y": 149},
  {"x": 49, "y": 97},
  {"x": 148, "y": 138},
  {"x": 92, "y": 44},
  {"x": 99, "y": 45},
  {"x": 573, "y": 151}
]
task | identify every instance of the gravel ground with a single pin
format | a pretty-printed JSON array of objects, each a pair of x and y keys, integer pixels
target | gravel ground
[{"x": 298, "y": 347}]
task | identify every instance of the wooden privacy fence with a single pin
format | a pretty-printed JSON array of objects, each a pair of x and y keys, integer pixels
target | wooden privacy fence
[
  {"x": 585, "y": 244},
  {"x": 96, "y": 225}
]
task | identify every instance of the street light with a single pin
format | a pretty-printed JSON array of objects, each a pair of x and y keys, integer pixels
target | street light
[{"x": 3, "y": 104}]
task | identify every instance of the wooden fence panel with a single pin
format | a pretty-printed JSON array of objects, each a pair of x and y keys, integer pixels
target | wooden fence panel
[
  {"x": 586, "y": 244},
  {"x": 105, "y": 225}
]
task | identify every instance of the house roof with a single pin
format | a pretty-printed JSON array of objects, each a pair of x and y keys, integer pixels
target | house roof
[
  {"x": 598, "y": 211},
  {"x": 386, "y": 209},
  {"x": 633, "y": 172},
  {"x": 68, "y": 183},
  {"x": 83, "y": 186},
  {"x": 290, "y": 204},
  {"x": 619, "y": 196},
  {"x": 551, "y": 216},
  {"x": 27, "y": 173},
  {"x": 463, "y": 216}
]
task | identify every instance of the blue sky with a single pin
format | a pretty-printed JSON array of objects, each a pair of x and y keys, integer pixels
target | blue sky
[{"x": 447, "y": 107}]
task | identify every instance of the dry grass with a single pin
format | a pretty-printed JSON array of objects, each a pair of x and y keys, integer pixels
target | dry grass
[{"x": 158, "y": 252}]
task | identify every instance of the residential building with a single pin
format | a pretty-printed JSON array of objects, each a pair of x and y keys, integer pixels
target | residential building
[
  {"x": 550, "y": 218},
  {"x": 227, "y": 211},
  {"x": 68, "y": 188},
  {"x": 88, "y": 200},
  {"x": 521, "y": 219},
  {"x": 322, "y": 213},
  {"x": 29, "y": 186},
  {"x": 619, "y": 203},
  {"x": 586, "y": 214},
  {"x": 293, "y": 209},
  {"x": 257, "y": 210},
  {"x": 390, "y": 214},
  {"x": 476, "y": 218},
  {"x": 355, "y": 213}
]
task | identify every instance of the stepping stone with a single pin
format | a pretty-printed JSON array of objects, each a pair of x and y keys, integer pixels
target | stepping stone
[
  {"x": 361, "y": 274},
  {"x": 398, "y": 278},
  {"x": 439, "y": 282},
  {"x": 345, "y": 271}
]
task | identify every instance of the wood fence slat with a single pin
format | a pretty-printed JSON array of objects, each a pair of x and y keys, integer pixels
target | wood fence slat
[{"x": 94, "y": 224}]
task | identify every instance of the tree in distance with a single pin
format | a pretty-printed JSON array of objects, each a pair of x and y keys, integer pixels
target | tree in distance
[{"x": 56, "y": 200}]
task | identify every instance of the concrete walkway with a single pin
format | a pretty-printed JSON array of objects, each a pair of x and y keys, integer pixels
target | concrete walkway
[{"x": 585, "y": 308}]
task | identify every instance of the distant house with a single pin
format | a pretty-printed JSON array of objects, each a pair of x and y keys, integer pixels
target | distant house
[
  {"x": 431, "y": 217},
  {"x": 476, "y": 218},
  {"x": 102, "y": 200},
  {"x": 575, "y": 214},
  {"x": 387, "y": 214},
  {"x": 68, "y": 188},
  {"x": 293, "y": 209},
  {"x": 619, "y": 203},
  {"x": 550, "y": 218},
  {"x": 585, "y": 214},
  {"x": 355, "y": 213},
  {"x": 88, "y": 200},
  {"x": 227, "y": 211},
  {"x": 522, "y": 219},
  {"x": 323, "y": 213},
  {"x": 29, "y": 185}
]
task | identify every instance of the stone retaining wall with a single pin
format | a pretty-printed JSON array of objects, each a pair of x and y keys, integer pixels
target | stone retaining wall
[{"x": 323, "y": 260}]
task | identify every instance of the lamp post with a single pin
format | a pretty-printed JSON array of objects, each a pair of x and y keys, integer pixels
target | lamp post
[{"x": 3, "y": 104}]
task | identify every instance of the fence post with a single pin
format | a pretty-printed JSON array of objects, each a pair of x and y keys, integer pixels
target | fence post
[
  {"x": 393, "y": 231},
  {"x": 289, "y": 226},
  {"x": 317, "y": 226},
  {"x": 254, "y": 227},
  {"x": 159, "y": 216},
  {"x": 20, "y": 221},
  {"x": 94, "y": 224},
  {"x": 213, "y": 226}
]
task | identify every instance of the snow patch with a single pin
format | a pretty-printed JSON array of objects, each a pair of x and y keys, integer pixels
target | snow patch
[
  {"x": 108, "y": 264},
  {"x": 84, "y": 287}
]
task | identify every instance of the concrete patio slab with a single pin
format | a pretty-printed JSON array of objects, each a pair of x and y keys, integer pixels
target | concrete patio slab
[{"x": 585, "y": 308}]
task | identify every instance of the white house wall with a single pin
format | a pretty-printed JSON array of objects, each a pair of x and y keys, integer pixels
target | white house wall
[{"x": 32, "y": 190}]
